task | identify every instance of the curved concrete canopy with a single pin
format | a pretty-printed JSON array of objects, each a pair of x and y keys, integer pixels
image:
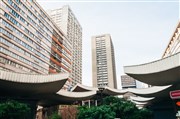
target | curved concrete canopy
[
  {"x": 141, "y": 99},
  {"x": 111, "y": 91},
  {"x": 43, "y": 88},
  {"x": 106, "y": 90},
  {"x": 19, "y": 84},
  {"x": 82, "y": 88},
  {"x": 32, "y": 78},
  {"x": 158, "y": 73},
  {"x": 139, "y": 103},
  {"x": 155, "y": 91},
  {"x": 155, "y": 96},
  {"x": 76, "y": 95},
  {"x": 64, "y": 97}
]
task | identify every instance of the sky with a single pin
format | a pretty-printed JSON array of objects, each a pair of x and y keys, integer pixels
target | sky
[{"x": 140, "y": 30}]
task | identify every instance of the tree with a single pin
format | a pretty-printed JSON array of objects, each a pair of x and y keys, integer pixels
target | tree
[
  {"x": 55, "y": 116},
  {"x": 126, "y": 109},
  {"x": 13, "y": 110},
  {"x": 114, "y": 107},
  {"x": 101, "y": 112}
]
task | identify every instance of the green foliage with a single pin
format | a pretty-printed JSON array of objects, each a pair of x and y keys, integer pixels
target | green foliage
[
  {"x": 144, "y": 113},
  {"x": 13, "y": 110},
  {"x": 126, "y": 109},
  {"x": 55, "y": 116},
  {"x": 123, "y": 108},
  {"x": 101, "y": 112},
  {"x": 114, "y": 107}
]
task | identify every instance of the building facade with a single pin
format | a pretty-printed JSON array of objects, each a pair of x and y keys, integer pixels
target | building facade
[
  {"x": 29, "y": 41},
  {"x": 174, "y": 43},
  {"x": 66, "y": 20},
  {"x": 127, "y": 82},
  {"x": 103, "y": 62}
]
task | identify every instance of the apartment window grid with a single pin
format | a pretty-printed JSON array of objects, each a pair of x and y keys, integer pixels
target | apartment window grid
[
  {"x": 21, "y": 34},
  {"x": 17, "y": 18},
  {"x": 23, "y": 20},
  {"x": 24, "y": 37},
  {"x": 21, "y": 50},
  {"x": 72, "y": 28},
  {"x": 73, "y": 31},
  {"x": 102, "y": 74}
]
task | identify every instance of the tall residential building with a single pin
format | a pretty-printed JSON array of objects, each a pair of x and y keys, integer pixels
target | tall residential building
[
  {"x": 127, "y": 82},
  {"x": 174, "y": 43},
  {"x": 66, "y": 20},
  {"x": 103, "y": 62},
  {"x": 29, "y": 41}
]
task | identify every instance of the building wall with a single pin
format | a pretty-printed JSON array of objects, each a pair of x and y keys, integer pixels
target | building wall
[
  {"x": 103, "y": 62},
  {"x": 30, "y": 41},
  {"x": 128, "y": 82},
  {"x": 174, "y": 43},
  {"x": 66, "y": 20}
]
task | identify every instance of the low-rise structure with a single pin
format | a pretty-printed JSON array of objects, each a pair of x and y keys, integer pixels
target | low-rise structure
[{"x": 127, "y": 82}]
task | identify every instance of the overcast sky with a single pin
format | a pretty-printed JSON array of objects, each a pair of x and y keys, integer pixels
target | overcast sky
[{"x": 140, "y": 30}]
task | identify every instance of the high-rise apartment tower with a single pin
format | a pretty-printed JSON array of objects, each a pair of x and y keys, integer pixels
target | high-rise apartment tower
[
  {"x": 173, "y": 46},
  {"x": 30, "y": 42},
  {"x": 66, "y": 20},
  {"x": 103, "y": 62}
]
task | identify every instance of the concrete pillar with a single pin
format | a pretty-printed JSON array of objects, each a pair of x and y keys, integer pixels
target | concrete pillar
[
  {"x": 82, "y": 103},
  {"x": 95, "y": 102},
  {"x": 89, "y": 103}
]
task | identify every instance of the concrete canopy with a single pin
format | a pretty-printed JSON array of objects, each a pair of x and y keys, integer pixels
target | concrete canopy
[
  {"x": 82, "y": 88},
  {"x": 162, "y": 72},
  {"x": 19, "y": 84},
  {"x": 147, "y": 92},
  {"x": 106, "y": 90},
  {"x": 43, "y": 89},
  {"x": 65, "y": 97},
  {"x": 111, "y": 91},
  {"x": 155, "y": 91},
  {"x": 139, "y": 103},
  {"x": 141, "y": 99}
]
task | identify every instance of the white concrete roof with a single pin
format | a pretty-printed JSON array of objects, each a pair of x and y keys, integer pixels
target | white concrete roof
[
  {"x": 139, "y": 103},
  {"x": 144, "y": 92},
  {"x": 82, "y": 88},
  {"x": 65, "y": 97},
  {"x": 158, "y": 73},
  {"x": 12, "y": 83},
  {"x": 150, "y": 90},
  {"x": 154, "y": 91},
  {"x": 106, "y": 90},
  {"x": 46, "y": 89},
  {"x": 31, "y": 78},
  {"x": 111, "y": 91},
  {"x": 141, "y": 99},
  {"x": 76, "y": 95}
]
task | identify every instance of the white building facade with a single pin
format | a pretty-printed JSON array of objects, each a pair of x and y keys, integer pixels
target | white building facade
[
  {"x": 103, "y": 62},
  {"x": 66, "y": 20},
  {"x": 174, "y": 44}
]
